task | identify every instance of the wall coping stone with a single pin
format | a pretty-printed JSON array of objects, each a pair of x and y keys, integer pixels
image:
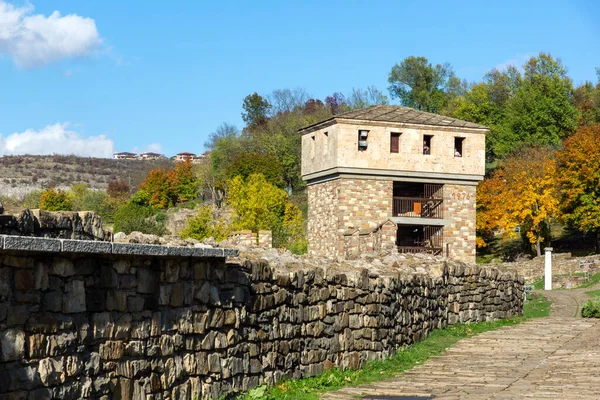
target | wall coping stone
[{"x": 29, "y": 243}]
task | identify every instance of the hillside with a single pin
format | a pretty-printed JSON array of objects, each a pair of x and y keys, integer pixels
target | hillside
[{"x": 20, "y": 175}]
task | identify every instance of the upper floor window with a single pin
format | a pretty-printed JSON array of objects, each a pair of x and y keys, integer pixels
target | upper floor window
[
  {"x": 427, "y": 144},
  {"x": 362, "y": 139},
  {"x": 312, "y": 146},
  {"x": 458, "y": 146},
  {"x": 325, "y": 143},
  {"x": 394, "y": 142}
]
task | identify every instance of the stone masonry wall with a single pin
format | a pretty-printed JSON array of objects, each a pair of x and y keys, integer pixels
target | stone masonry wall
[
  {"x": 459, "y": 206},
  {"x": 322, "y": 232},
  {"x": 340, "y": 205},
  {"x": 131, "y": 325}
]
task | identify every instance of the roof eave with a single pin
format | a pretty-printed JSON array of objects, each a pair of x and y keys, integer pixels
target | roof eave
[{"x": 335, "y": 119}]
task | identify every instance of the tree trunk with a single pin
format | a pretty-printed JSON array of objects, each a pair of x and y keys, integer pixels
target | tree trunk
[{"x": 538, "y": 247}]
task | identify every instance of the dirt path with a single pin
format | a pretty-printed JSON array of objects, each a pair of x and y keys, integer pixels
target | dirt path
[{"x": 546, "y": 358}]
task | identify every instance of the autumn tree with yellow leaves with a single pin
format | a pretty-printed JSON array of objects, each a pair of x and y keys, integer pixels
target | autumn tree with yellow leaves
[
  {"x": 579, "y": 178},
  {"x": 523, "y": 193}
]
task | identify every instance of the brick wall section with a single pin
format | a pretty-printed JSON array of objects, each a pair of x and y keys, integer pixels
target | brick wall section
[
  {"x": 337, "y": 206},
  {"x": 459, "y": 206},
  {"x": 323, "y": 232},
  {"x": 364, "y": 203},
  {"x": 140, "y": 327}
]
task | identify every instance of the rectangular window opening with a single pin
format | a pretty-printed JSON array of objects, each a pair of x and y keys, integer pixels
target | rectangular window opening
[
  {"x": 394, "y": 142},
  {"x": 362, "y": 139},
  {"x": 325, "y": 143},
  {"x": 458, "y": 146},
  {"x": 312, "y": 146},
  {"x": 427, "y": 144}
]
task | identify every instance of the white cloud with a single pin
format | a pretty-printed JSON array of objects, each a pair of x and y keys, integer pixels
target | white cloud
[
  {"x": 56, "y": 139},
  {"x": 517, "y": 61},
  {"x": 34, "y": 39},
  {"x": 152, "y": 148}
]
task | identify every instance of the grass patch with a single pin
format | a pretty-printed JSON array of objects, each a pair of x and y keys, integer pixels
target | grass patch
[
  {"x": 437, "y": 342},
  {"x": 593, "y": 293}
]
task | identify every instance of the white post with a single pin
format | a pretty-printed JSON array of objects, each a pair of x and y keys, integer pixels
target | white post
[{"x": 548, "y": 269}]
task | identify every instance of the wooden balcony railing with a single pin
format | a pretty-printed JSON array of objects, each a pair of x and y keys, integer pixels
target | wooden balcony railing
[
  {"x": 436, "y": 251},
  {"x": 417, "y": 207}
]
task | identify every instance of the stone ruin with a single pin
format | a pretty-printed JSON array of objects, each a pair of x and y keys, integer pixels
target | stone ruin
[{"x": 82, "y": 225}]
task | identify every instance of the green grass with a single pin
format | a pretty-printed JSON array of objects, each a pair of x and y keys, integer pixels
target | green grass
[
  {"x": 405, "y": 359},
  {"x": 593, "y": 279},
  {"x": 593, "y": 293}
]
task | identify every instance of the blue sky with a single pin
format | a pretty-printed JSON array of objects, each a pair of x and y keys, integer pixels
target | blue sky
[{"x": 136, "y": 75}]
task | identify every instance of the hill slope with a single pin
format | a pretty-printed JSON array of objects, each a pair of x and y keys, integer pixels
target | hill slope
[{"x": 20, "y": 175}]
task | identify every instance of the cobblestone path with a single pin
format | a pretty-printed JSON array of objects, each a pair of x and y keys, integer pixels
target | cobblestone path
[{"x": 557, "y": 357}]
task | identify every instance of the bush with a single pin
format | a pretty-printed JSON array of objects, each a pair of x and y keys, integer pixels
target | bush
[
  {"x": 133, "y": 217},
  {"x": 203, "y": 226},
  {"x": 32, "y": 199},
  {"x": 591, "y": 309},
  {"x": 55, "y": 200}
]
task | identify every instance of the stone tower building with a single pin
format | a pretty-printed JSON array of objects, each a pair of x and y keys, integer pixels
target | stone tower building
[{"x": 391, "y": 177}]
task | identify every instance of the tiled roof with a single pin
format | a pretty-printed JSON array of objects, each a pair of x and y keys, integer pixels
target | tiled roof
[{"x": 404, "y": 115}]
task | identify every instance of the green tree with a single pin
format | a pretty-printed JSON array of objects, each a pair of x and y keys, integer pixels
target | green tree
[
  {"x": 587, "y": 101},
  {"x": 420, "y": 85},
  {"x": 55, "y": 200},
  {"x": 250, "y": 163},
  {"x": 259, "y": 205},
  {"x": 223, "y": 131},
  {"x": 204, "y": 225},
  {"x": 541, "y": 112},
  {"x": 256, "y": 110},
  {"x": 363, "y": 98}
]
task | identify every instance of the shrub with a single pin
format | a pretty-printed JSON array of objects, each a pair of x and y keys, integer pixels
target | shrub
[
  {"x": 591, "y": 309},
  {"x": 117, "y": 189},
  {"x": 55, "y": 200},
  {"x": 133, "y": 217},
  {"x": 203, "y": 226},
  {"x": 32, "y": 199}
]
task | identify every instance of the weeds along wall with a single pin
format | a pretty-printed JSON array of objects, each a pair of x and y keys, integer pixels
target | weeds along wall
[{"x": 104, "y": 320}]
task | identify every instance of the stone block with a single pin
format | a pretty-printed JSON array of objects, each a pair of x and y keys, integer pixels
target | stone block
[
  {"x": 86, "y": 246},
  {"x": 12, "y": 344},
  {"x": 62, "y": 267},
  {"x": 24, "y": 280},
  {"x": 74, "y": 298},
  {"x": 112, "y": 350},
  {"x": 31, "y": 244},
  {"x": 147, "y": 280}
]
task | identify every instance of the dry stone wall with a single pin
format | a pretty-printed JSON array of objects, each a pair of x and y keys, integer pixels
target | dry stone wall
[
  {"x": 131, "y": 321},
  {"x": 82, "y": 225}
]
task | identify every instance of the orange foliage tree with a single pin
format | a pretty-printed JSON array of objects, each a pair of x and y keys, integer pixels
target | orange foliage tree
[
  {"x": 183, "y": 182},
  {"x": 162, "y": 189},
  {"x": 579, "y": 178},
  {"x": 523, "y": 193},
  {"x": 156, "y": 189}
]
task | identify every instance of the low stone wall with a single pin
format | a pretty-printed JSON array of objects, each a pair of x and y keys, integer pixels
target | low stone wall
[
  {"x": 105, "y": 320},
  {"x": 247, "y": 238},
  {"x": 82, "y": 225},
  {"x": 562, "y": 264}
]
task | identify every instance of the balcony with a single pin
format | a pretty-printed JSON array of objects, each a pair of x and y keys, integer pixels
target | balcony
[{"x": 417, "y": 207}]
